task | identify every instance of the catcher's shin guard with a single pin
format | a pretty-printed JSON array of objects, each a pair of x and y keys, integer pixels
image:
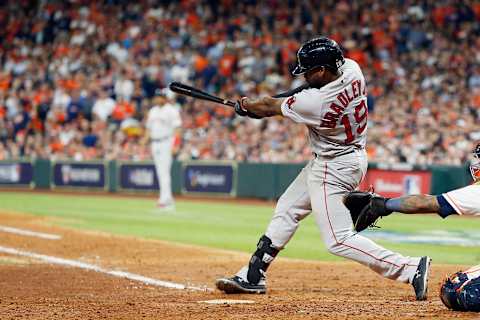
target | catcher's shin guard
[{"x": 261, "y": 259}]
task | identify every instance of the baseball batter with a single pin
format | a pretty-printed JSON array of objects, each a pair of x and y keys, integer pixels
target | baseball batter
[
  {"x": 334, "y": 108},
  {"x": 162, "y": 121}
]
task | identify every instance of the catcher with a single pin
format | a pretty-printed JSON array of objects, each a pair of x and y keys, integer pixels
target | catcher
[
  {"x": 461, "y": 291},
  {"x": 367, "y": 207}
]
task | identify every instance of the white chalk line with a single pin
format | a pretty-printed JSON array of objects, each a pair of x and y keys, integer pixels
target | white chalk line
[
  {"x": 87, "y": 266},
  {"x": 29, "y": 233}
]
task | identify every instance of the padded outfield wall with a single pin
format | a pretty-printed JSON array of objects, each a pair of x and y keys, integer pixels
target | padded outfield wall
[{"x": 215, "y": 178}]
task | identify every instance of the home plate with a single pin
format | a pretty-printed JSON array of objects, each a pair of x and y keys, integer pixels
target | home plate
[{"x": 226, "y": 301}]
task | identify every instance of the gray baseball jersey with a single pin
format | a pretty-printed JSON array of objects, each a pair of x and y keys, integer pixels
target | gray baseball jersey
[{"x": 336, "y": 114}]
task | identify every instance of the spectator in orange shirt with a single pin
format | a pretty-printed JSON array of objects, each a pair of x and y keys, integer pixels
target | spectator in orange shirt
[
  {"x": 226, "y": 64},
  {"x": 122, "y": 110}
]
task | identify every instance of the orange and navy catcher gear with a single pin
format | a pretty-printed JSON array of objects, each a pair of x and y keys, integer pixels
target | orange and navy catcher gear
[
  {"x": 475, "y": 166},
  {"x": 461, "y": 291}
]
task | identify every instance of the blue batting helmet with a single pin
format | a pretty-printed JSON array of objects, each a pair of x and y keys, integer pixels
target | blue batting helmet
[{"x": 318, "y": 52}]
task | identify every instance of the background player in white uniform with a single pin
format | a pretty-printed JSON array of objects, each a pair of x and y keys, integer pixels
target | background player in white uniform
[
  {"x": 162, "y": 121},
  {"x": 463, "y": 201},
  {"x": 334, "y": 109}
]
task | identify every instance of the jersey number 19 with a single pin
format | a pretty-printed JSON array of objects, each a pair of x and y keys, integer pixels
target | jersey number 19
[{"x": 360, "y": 115}]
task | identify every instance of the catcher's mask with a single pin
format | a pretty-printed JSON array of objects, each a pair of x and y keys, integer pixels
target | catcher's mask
[{"x": 475, "y": 166}]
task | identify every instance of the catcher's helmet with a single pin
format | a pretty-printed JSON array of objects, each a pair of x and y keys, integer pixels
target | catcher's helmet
[
  {"x": 475, "y": 166},
  {"x": 318, "y": 52}
]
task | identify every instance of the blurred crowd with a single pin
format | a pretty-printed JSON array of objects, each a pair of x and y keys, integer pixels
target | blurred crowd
[{"x": 77, "y": 77}]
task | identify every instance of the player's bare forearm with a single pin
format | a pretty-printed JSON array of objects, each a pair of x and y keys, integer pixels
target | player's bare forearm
[
  {"x": 414, "y": 204},
  {"x": 145, "y": 138},
  {"x": 264, "y": 106}
]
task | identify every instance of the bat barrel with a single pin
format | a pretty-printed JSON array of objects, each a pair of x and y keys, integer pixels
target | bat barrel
[{"x": 186, "y": 90}]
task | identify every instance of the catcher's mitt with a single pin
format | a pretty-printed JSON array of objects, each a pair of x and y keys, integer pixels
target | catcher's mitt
[{"x": 365, "y": 208}]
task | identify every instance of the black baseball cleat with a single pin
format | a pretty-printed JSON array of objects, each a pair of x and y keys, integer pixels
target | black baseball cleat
[
  {"x": 238, "y": 285},
  {"x": 420, "y": 279}
]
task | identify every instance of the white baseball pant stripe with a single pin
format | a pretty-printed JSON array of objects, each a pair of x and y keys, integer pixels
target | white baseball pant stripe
[{"x": 320, "y": 189}]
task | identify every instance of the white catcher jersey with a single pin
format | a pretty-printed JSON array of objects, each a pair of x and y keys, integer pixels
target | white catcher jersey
[
  {"x": 336, "y": 114},
  {"x": 162, "y": 121},
  {"x": 473, "y": 272},
  {"x": 465, "y": 200}
]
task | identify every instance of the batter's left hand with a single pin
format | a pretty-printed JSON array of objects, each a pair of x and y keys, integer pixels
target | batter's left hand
[
  {"x": 242, "y": 111},
  {"x": 239, "y": 109}
]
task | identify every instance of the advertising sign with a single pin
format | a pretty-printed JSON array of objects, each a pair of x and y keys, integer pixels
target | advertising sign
[
  {"x": 140, "y": 177},
  {"x": 16, "y": 173},
  {"x": 209, "y": 178},
  {"x": 393, "y": 184},
  {"x": 79, "y": 175}
]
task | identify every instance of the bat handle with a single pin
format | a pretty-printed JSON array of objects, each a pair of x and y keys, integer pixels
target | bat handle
[{"x": 229, "y": 103}]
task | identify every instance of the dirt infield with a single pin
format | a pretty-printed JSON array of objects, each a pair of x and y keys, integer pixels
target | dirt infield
[{"x": 32, "y": 289}]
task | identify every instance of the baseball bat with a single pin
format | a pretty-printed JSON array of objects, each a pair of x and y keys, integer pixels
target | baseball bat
[
  {"x": 186, "y": 90},
  {"x": 291, "y": 92}
]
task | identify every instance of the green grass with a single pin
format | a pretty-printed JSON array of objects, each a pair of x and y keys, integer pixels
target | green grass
[{"x": 222, "y": 225}]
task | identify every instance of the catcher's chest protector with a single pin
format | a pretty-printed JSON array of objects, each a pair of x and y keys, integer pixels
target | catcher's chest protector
[
  {"x": 461, "y": 291},
  {"x": 469, "y": 295}
]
